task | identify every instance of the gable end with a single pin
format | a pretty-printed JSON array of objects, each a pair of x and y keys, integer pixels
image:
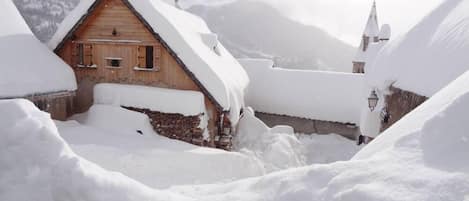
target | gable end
[{"x": 155, "y": 35}]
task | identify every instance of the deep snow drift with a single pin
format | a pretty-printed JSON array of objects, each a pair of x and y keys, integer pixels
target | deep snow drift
[
  {"x": 36, "y": 164},
  {"x": 423, "y": 157},
  {"x": 114, "y": 144},
  {"x": 154, "y": 160}
]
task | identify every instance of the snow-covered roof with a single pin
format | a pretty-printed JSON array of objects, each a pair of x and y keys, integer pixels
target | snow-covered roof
[
  {"x": 185, "y": 34},
  {"x": 327, "y": 96},
  {"x": 372, "y": 27},
  {"x": 430, "y": 56},
  {"x": 27, "y": 67},
  {"x": 440, "y": 123},
  {"x": 370, "y": 54}
]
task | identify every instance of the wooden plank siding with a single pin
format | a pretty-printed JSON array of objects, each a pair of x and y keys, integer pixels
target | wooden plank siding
[{"x": 97, "y": 30}]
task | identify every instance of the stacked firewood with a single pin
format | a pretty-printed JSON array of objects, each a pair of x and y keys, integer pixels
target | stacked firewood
[{"x": 175, "y": 126}]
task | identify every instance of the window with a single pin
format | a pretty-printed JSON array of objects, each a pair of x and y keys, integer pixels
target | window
[
  {"x": 147, "y": 57},
  {"x": 113, "y": 62},
  {"x": 84, "y": 55}
]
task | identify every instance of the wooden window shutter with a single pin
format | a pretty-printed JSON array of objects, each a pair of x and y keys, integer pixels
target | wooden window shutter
[
  {"x": 141, "y": 57},
  {"x": 88, "y": 54},
  {"x": 74, "y": 55},
  {"x": 157, "y": 53},
  {"x": 80, "y": 58}
]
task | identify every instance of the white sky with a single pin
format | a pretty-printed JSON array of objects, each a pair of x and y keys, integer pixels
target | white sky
[{"x": 345, "y": 19}]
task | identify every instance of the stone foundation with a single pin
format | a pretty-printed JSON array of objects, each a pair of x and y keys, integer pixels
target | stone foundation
[
  {"x": 309, "y": 126},
  {"x": 400, "y": 103},
  {"x": 224, "y": 139},
  {"x": 175, "y": 126}
]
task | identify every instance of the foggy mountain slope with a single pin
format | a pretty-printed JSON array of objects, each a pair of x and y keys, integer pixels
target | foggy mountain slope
[
  {"x": 254, "y": 29},
  {"x": 43, "y": 16},
  {"x": 246, "y": 28}
]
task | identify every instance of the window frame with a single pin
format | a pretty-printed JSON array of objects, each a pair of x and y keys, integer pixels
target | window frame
[
  {"x": 80, "y": 55},
  {"x": 149, "y": 49},
  {"x": 108, "y": 62}
]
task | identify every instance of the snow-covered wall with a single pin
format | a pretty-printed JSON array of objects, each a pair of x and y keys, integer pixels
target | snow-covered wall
[
  {"x": 327, "y": 96},
  {"x": 188, "y": 103},
  {"x": 430, "y": 56},
  {"x": 28, "y": 67}
]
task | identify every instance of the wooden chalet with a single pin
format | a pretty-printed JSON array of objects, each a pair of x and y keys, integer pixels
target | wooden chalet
[{"x": 142, "y": 42}]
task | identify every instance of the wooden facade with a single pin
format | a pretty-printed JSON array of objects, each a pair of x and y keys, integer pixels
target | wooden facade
[
  {"x": 58, "y": 104},
  {"x": 114, "y": 44}
]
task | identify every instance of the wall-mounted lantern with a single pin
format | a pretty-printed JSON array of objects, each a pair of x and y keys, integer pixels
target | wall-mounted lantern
[{"x": 373, "y": 100}]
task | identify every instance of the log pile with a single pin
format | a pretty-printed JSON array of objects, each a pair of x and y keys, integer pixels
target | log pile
[{"x": 175, "y": 126}]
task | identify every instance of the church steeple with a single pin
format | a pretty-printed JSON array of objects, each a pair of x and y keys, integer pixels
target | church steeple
[
  {"x": 370, "y": 35},
  {"x": 371, "y": 32},
  {"x": 372, "y": 27}
]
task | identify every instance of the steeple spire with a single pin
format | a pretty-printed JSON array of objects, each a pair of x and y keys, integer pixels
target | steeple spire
[
  {"x": 370, "y": 35},
  {"x": 372, "y": 27}
]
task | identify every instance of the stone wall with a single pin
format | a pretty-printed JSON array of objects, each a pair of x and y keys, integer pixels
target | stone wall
[
  {"x": 175, "y": 126},
  {"x": 398, "y": 104},
  {"x": 309, "y": 126}
]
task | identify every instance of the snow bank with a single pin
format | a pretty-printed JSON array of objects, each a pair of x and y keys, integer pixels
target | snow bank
[
  {"x": 370, "y": 124},
  {"x": 326, "y": 96},
  {"x": 188, "y": 103},
  {"x": 276, "y": 150},
  {"x": 27, "y": 67},
  {"x": 422, "y": 157},
  {"x": 157, "y": 161},
  {"x": 146, "y": 157},
  {"x": 217, "y": 70},
  {"x": 325, "y": 149},
  {"x": 428, "y": 57},
  {"x": 36, "y": 164}
]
